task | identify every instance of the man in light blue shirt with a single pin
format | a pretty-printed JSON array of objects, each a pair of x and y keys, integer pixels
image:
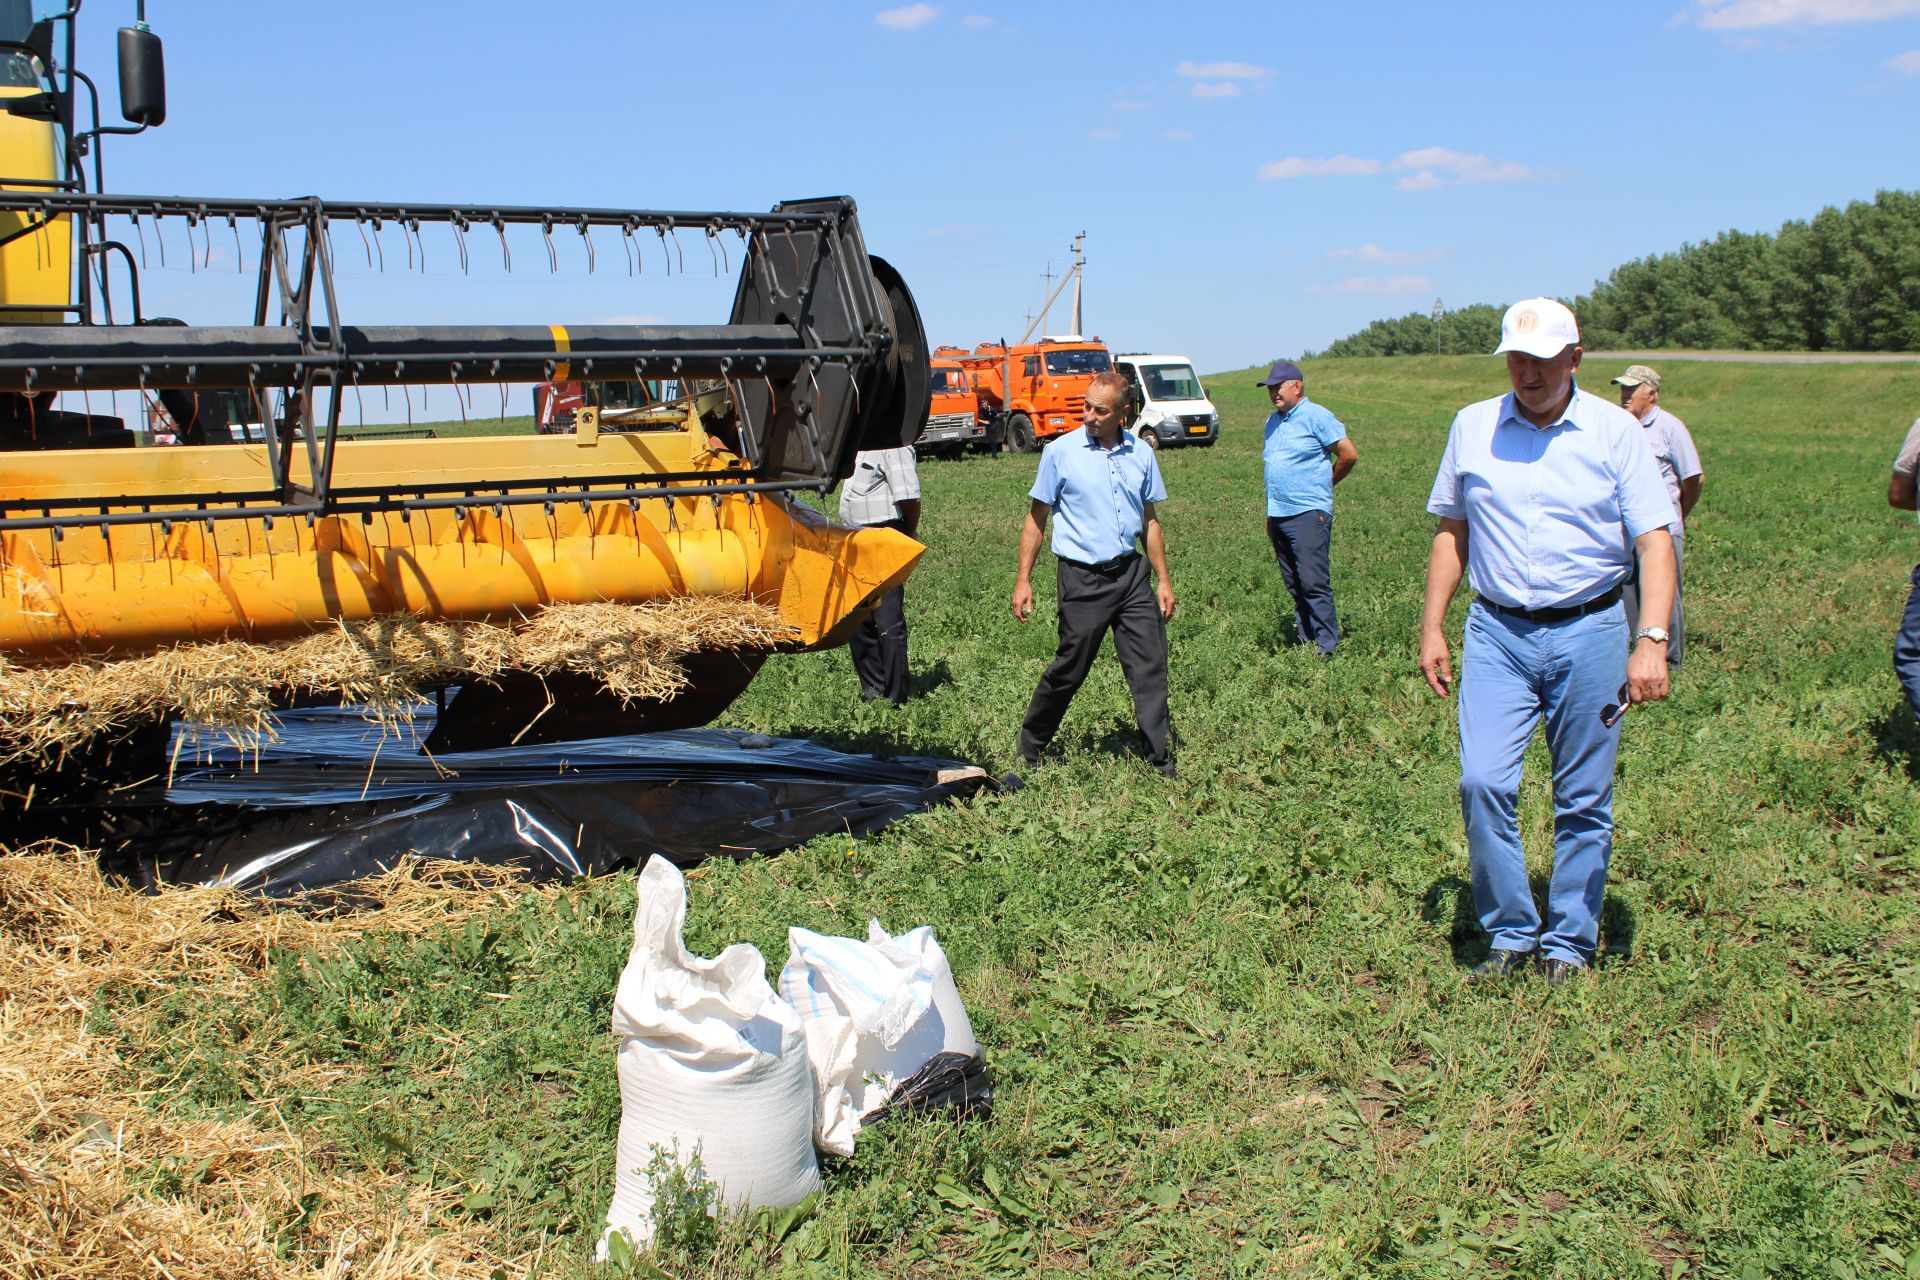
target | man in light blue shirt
[
  {"x": 1103, "y": 485},
  {"x": 1306, "y": 452},
  {"x": 1545, "y": 496}
]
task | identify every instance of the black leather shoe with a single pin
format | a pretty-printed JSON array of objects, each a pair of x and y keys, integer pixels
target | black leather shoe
[
  {"x": 1167, "y": 770},
  {"x": 1560, "y": 972},
  {"x": 1499, "y": 963}
]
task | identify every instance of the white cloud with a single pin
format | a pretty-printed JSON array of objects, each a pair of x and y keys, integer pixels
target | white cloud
[
  {"x": 1178, "y": 135},
  {"x": 1907, "y": 64},
  {"x": 1317, "y": 167},
  {"x": 976, "y": 20},
  {"x": 1444, "y": 167},
  {"x": 1386, "y": 257},
  {"x": 907, "y": 17},
  {"x": 1222, "y": 70},
  {"x": 1104, "y": 135},
  {"x": 1216, "y": 89},
  {"x": 1742, "y": 15},
  {"x": 1377, "y": 284}
]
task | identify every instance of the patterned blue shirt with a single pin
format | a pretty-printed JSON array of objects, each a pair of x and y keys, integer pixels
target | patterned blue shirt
[
  {"x": 1099, "y": 496},
  {"x": 1551, "y": 511},
  {"x": 1299, "y": 472}
]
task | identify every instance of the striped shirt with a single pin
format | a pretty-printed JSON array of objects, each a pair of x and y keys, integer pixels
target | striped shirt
[{"x": 882, "y": 479}]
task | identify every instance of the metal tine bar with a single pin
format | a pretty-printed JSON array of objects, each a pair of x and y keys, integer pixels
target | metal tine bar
[
  {"x": 665, "y": 256},
  {"x": 206, "y": 238},
  {"x": 586, "y": 234},
  {"x": 678, "y": 251},
  {"x": 192, "y": 265},
  {"x": 360, "y": 223},
  {"x": 506, "y": 256},
  {"x": 626, "y": 242},
  {"x": 711, "y": 253},
  {"x": 239, "y": 254},
  {"x": 460, "y": 241},
  {"x": 553, "y": 256},
  {"x": 140, "y": 231},
  {"x": 379, "y": 248}
]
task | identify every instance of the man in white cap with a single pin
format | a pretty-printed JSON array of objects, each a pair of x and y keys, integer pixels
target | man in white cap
[
  {"x": 1679, "y": 464},
  {"x": 1545, "y": 495}
]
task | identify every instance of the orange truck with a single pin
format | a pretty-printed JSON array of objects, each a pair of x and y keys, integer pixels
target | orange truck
[
  {"x": 1034, "y": 391},
  {"x": 953, "y": 419}
]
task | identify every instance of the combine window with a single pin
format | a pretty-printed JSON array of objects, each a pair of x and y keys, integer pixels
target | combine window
[
  {"x": 16, "y": 68},
  {"x": 1065, "y": 362}
]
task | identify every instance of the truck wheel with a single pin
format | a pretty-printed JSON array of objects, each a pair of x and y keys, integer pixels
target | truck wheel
[
  {"x": 1020, "y": 434},
  {"x": 1149, "y": 437}
]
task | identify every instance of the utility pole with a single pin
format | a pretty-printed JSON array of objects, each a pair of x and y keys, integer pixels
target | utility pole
[
  {"x": 1439, "y": 310},
  {"x": 1079, "y": 262}
]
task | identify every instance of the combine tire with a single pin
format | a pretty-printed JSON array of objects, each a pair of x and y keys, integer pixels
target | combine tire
[{"x": 1020, "y": 434}]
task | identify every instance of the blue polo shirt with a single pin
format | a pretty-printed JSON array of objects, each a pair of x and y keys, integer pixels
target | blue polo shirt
[
  {"x": 1099, "y": 496},
  {"x": 1551, "y": 511},
  {"x": 1299, "y": 472}
]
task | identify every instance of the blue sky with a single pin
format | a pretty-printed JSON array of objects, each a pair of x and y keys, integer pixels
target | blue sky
[{"x": 1253, "y": 179}]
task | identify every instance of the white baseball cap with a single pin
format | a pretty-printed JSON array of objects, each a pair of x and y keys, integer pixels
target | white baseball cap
[{"x": 1540, "y": 327}]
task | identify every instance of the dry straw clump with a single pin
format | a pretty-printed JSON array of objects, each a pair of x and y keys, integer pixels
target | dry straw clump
[
  {"x": 635, "y": 651},
  {"x": 79, "y": 1143}
]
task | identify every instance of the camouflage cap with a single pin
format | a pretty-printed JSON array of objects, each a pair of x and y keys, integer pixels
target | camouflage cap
[{"x": 1637, "y": 374}]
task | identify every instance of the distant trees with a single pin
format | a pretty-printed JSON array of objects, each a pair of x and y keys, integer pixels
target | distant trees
[
  {"x": 1847, "y": 280},
  {"x": 1474, "y": 328}
]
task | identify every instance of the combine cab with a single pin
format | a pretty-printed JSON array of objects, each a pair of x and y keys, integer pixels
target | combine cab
[{"x": 110, "y": 551}]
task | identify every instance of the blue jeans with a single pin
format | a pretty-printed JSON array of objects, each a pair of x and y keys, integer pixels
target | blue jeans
[
  {"x": 1906, "y": 647},
  {"x": 1513, "y": 674},
  {"x": 1302, "y": 544}
]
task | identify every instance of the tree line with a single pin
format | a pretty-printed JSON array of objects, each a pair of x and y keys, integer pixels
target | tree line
[{"x": 1845, "y": 280}]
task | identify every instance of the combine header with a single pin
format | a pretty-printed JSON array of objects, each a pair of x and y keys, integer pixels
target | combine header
[{"x": 111, "y": 551}]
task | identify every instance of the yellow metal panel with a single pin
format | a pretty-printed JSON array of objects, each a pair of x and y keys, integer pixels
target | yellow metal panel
[{"x": 36, "y": 268}]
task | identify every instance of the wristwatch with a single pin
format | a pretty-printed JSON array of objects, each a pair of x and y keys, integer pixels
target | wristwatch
[{"x": 1656, "y": 634}]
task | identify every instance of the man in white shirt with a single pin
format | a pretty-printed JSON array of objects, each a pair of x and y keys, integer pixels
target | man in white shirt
[
  {"x": 1679, "y": 462},
  {"x": 1906, "y": 645},
  {"x": 883, "y": 492}
]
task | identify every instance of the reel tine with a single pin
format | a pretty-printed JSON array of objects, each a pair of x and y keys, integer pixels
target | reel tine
[
  {"x": 586, "y": 234},
  {"x": 361, "y": 224}
]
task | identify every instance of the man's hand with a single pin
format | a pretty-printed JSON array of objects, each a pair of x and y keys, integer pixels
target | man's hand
[
  {"x": 1166, "y": 600},
  {"x": 1022, "y": 600},
  {"x": 1647, "y": 672},
  {"x": 1435, "y": 662}
]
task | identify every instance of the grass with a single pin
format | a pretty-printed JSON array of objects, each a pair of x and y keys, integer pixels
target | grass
[{"x": 1226, "y": 1013}]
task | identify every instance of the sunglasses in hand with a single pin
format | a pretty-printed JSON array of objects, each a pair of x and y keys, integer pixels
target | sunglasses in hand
[{"x": 1611, "y": 714}]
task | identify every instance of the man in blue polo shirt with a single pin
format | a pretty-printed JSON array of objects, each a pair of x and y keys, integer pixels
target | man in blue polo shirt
[
  {"x": 1545, "y": 496},
  {"x": 1306, "y": 453},
  {"x": 1103, "y": 485}
]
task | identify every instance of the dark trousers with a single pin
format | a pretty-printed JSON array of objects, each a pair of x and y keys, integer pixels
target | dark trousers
[
  {"x": 1906, "y": 647},
  {"x": 879, "y": 647},
  {"x": 1303, "y": 545},
  {"x": 1092, "y": 602}
]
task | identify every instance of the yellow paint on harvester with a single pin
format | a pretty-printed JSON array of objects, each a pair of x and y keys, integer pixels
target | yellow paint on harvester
[{"x": 562, "y": 371}]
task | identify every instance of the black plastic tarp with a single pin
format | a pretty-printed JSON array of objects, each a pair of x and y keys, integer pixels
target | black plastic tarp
[{"x": 334, "y": 798}]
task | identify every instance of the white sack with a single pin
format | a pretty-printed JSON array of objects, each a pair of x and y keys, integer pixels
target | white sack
[
  {"x": 875, "y": 1012},
  {"x": 710, "y": 1058}
]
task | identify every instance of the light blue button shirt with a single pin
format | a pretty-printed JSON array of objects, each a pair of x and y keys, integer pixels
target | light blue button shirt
[
  {"x": 1551, "y": 511},
  {"x": 1099, "y": 496},
  {"x": 1299, "y": 472}
]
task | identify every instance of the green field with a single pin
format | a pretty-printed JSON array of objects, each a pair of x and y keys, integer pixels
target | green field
[{"x": 1226, "y": 1013}]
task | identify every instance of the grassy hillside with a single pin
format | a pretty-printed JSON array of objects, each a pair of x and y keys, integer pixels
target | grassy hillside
[{"x": 1226, "y": 1012}]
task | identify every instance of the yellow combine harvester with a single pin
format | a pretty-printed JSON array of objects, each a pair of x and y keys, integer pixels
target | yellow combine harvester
[{"x": 113, "y": 551}]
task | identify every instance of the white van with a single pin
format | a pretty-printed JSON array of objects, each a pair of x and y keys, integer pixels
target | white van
[{"x": 1174, "y": 408}]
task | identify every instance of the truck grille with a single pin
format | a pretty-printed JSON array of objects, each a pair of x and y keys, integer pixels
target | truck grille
[{"x": 952, "y": 426}]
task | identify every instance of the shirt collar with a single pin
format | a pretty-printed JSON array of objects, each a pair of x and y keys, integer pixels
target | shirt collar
[
  {"x": 1286, "y": 415},
  {"x": 1123, "y": 443},
  {"x": 1510, "y": 412}
]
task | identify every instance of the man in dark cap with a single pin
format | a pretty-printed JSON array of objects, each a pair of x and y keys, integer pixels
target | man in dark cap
[{"x": 1306, "y": 453}]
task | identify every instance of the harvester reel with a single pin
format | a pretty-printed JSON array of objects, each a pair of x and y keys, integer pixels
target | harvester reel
[{"x": 894, "y": 407}]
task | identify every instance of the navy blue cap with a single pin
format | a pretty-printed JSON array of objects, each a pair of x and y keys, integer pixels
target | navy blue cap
[{"x": 1282, "y": 371}]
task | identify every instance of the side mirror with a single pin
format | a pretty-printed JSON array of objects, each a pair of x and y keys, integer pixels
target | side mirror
[
  {"x": 143, "y": 77},
  {"x": 40, "y": 40}
]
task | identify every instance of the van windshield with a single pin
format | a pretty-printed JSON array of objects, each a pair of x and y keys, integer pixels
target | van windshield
[
  {"x": 1172, "y": 382},
  {"x": 1068, "y": 362}
]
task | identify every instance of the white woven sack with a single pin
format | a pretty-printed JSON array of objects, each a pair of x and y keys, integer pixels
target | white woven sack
[
  {"x": 874, "y": 1012},
  {"x": 710, "y": 1059}
]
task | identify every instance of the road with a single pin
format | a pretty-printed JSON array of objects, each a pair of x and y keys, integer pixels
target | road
[{"x": 1767, "y": 357}]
